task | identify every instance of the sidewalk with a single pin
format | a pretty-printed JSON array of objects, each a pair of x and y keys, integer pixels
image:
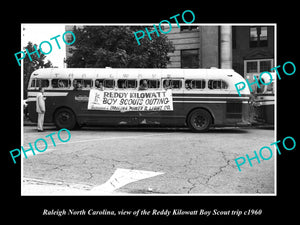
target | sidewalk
[{"x": 27, "y": 122}]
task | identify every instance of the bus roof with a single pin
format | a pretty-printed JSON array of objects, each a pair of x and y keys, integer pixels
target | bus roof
[
  {"x": 228, "y": 75},
  {"x": 119, "y": 73}
]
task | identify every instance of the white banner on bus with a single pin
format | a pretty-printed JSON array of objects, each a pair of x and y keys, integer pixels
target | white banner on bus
[{"x": 129, "y": 100}]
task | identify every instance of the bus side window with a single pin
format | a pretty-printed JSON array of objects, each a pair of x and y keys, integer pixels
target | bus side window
[
  {"x": 189, "y": 84},
  {"x": 131, "y": 83},
  {"x": 148, "y": 84},
  {"x": 87, "y": 83},
  {"x": 77, "y": 84},
  {"x": 217, "y": 84},
  {"x": 123, "y": 83},
  {"x": 36, "y": 83},
  {"x": 167, "y": 84},
  {"x": 172, "y": 84},
  {"x": 194, "y": 84},
  {"x": 153, "y": 84},
  {"x": 176, "y": 84},
  {"x": 109, "y": 83},
  {"x": 199, "y": 84},
  {"x": 33, "y": 83},
  {"x": 82, "y": 83},
  {"x": 144, "y": 84},
  {"x": 60, "y": 83},
  {"x": 99, "y": 83},
  {"x": 106, "y": 83}
]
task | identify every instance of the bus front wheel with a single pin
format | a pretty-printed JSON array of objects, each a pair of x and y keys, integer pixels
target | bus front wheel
[
  {"x": 199, "y": 120},
  {"x": 65, "y": 118}
]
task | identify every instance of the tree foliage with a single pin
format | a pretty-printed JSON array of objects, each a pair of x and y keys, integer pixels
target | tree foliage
[
  {"x": 116, "y": 46},
  {"x": 30, "y": 66}
]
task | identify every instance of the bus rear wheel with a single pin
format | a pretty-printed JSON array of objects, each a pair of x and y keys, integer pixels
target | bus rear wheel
[
  {"x": 65, "y": 118},
  {"x": 199, "y": 120}
]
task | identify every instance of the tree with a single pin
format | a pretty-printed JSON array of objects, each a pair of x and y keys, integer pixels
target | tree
[
  {"x": 30, "y": 66},
  {"x": 116, "y": 46}
]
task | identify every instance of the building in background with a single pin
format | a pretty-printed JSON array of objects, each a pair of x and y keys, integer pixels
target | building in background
[
  {"x": 195, "y": 47},
  {"x": 253, "y": 49},
  {"x": 248, "y": 50}
]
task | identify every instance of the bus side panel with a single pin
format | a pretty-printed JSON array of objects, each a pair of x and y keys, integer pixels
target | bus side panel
[
  {"x": 31, "y": 109},
  {"x": 191, "y": 101},
  {"x": 103, "y": 117},
  {"x": 237, "y": 112},
  {"x": 99, "y": 117},
  {"x": 223, "y": 114},
  {"x": 177, "y": 117}
]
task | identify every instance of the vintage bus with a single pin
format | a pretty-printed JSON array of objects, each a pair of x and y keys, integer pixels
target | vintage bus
[{"x": 202, "y": 98}]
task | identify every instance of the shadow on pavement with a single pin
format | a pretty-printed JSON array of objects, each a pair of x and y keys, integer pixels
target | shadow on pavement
[{"x": 151, "y": 129}]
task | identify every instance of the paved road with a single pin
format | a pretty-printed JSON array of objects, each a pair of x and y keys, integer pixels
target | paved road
[{"x": 192, "y": 163}]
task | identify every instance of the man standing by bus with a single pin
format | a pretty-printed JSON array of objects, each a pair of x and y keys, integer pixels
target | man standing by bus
[{"x": 40, "y": 109}]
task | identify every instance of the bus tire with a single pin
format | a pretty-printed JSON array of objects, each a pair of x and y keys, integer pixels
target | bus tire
[
  {"x": 65, "y": 118},
  {"x": 199, "y": 120}
]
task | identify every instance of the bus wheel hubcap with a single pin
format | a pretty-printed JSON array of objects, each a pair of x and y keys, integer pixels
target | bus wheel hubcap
[
  {"x": 200, "y": 121},
  {"x": 64, "y": 117}
]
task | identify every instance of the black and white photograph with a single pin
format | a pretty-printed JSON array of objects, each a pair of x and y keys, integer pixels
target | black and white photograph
[{"x": 169, "y": 118}]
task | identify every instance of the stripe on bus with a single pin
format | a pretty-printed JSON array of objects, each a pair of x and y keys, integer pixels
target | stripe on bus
[
  {"x": 176, "y": 101},
  {"x": 47, "y": 93}
]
